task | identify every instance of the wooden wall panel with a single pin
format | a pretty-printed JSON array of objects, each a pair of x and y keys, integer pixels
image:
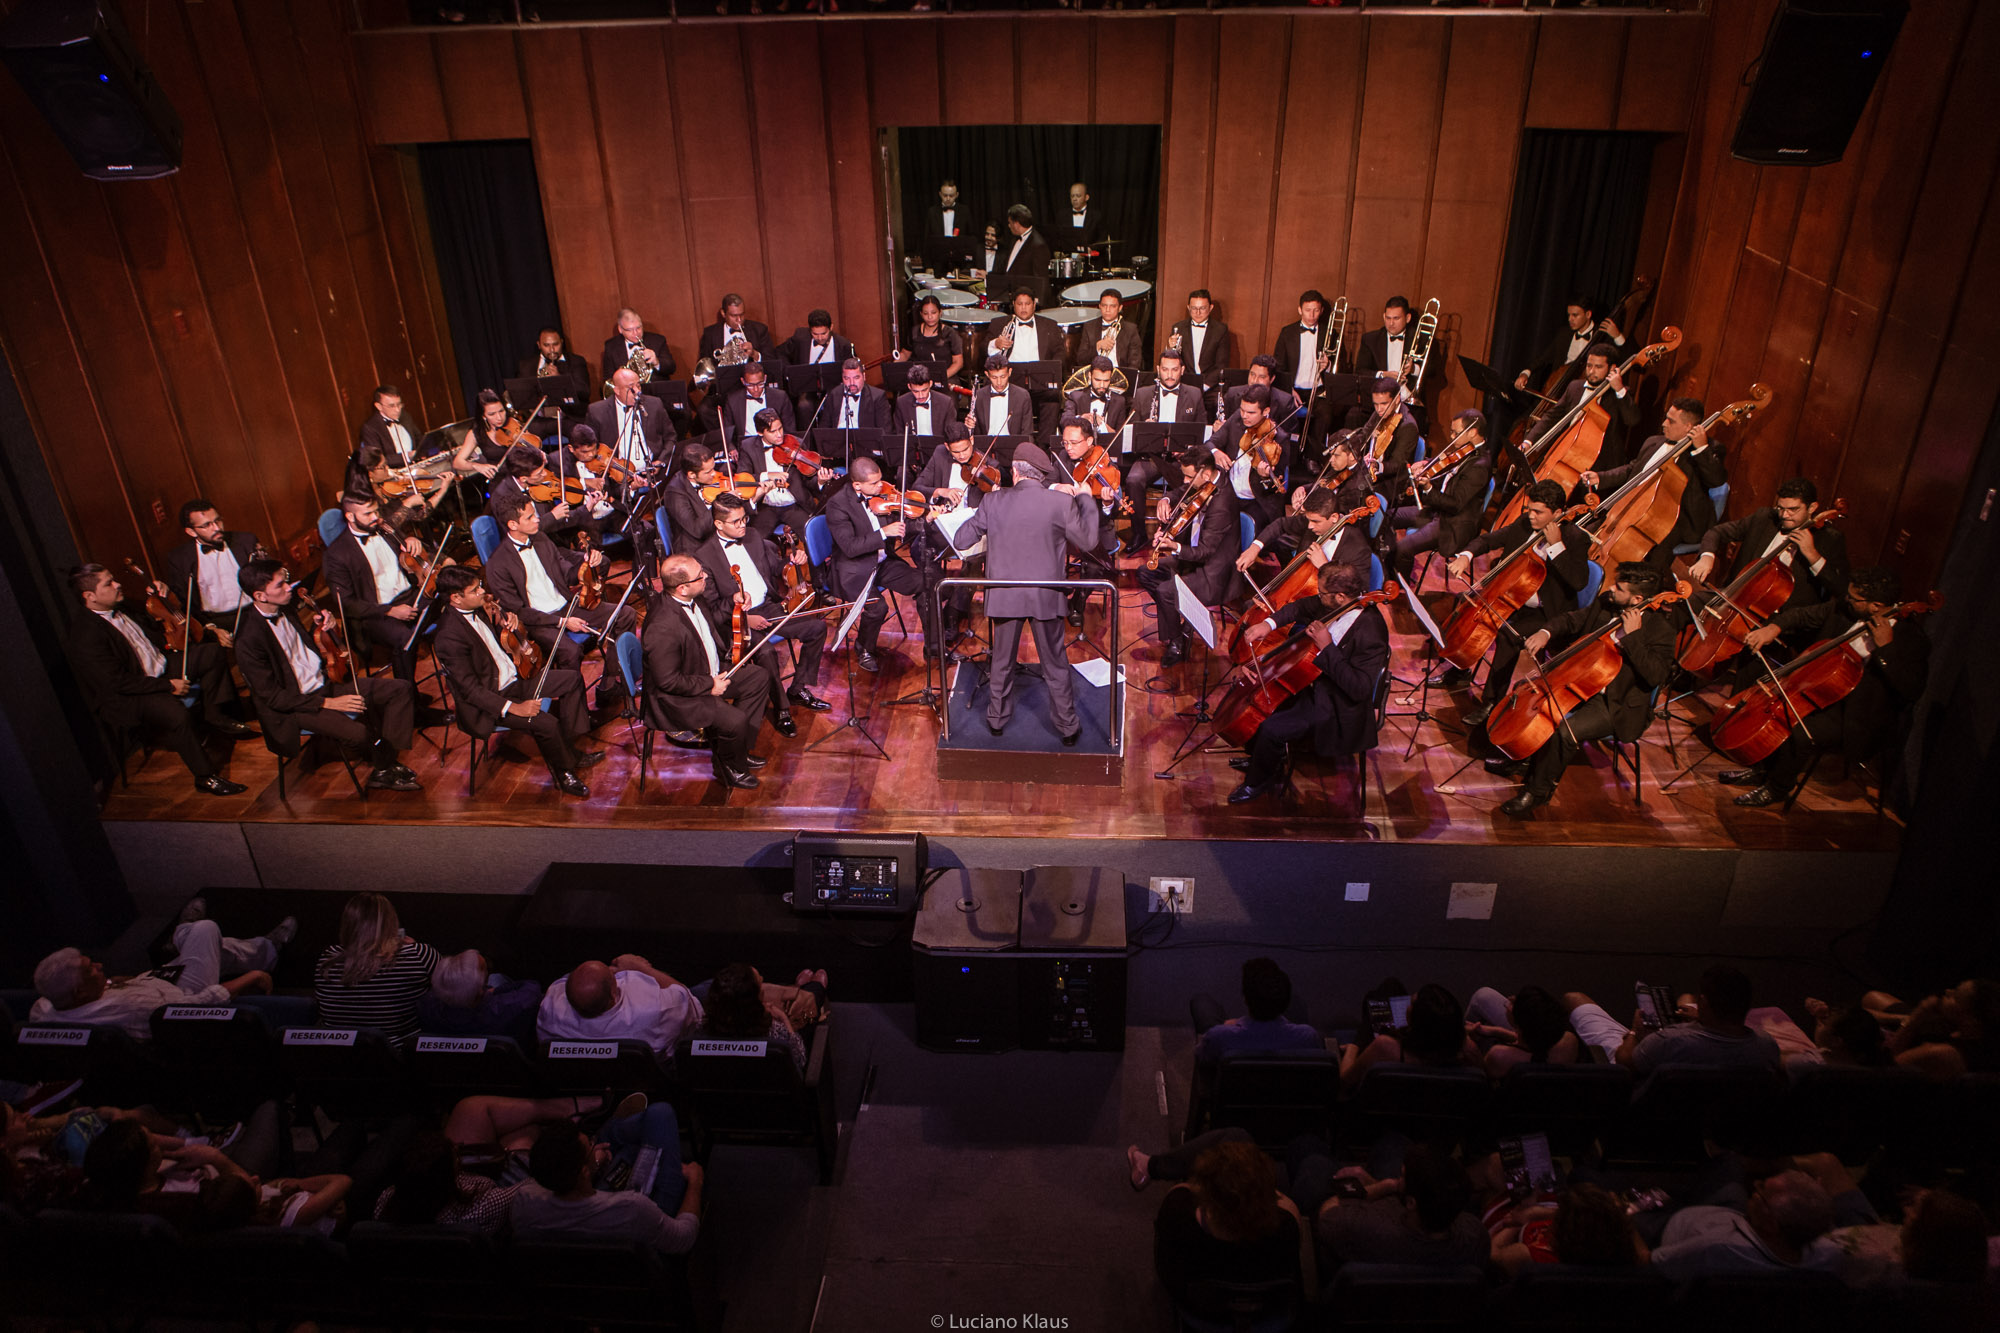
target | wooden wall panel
[
  {"x": 1315, "y": 177},
  {"x": 563, "y": 110},
  {"x": 718, "y": 175},
  {"x": 404, "y": 95},
  {"x": 1661, "y": 62},
  {"x": 906, "y": 55},
  {"x": 1243, "y": 186},
  {"x": 1406, "y": 57},
  {"x": 1134, "y": 66},
  {"x": 1578, "y": 63},
  {"x": 1055, "y": 72},
  {"x": 793, "y": 182},
  {"x": 853, "y": 163},
  {"x": 481, "y": 75},
  {"x": 645, "y": 215},
  {"x": 1186, "y": 157},
  {"x": 983, "y": 48}
]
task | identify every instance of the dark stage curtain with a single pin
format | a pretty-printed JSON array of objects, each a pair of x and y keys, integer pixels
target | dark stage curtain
[
  {"x": 485, "y": 209},
  {"x": 1579, "y": 202},
  {"x": 999, "y": 165}
]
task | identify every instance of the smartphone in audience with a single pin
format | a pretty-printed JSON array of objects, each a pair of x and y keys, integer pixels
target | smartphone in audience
[
  {"x": 1527, "y": 1165},
  {"x": 1389, "y": 1013},
  {"x": 1656, "y": 1005}
]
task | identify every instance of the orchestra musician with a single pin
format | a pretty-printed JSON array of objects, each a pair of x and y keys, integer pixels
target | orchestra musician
[
  {"x": 558, "y": 516},
  {"x": 1303, "y": 347},
  {"x": 130, "y": 681},
  {"x": 1168, "y": 400},
  {"x": 1025, "y": 257},
  {"x": 688, "y": 517},
  {"x": 947, "y": 479},
  {"x": 1621, "y": 404},
  {"x": 1390, "y": 446},
  {"x": 553, "y": 358},
  {"x": 1029, "y": 528},
  {"x": 934, "y": 343},
  {"x": 1816, "y": 557},
  {"x": 1449, "y": 507},
  {"x": 814, "y": 343},
  {"x": 1263, "y": 369},
  {"x": 1079, "y": 439},
  {"x": 735, "y": 545},
  {"x": 858, "y": 404},
  {"x": 1083, "y": 226},
  {"x": 730, "y": 327},
  {"x": 1258, "y": 482},
  {"x": 535, "y": 580},
  {"x": 796, "y": 493},
  {"x": 1000, "y": 407},
  {"x": 606, "y": 503},
  {"x": 1565, "y": 551},
  {"x": 989, "y": 256},
  {"x": 1701, "y": 467},
  {"x": 210, "y": 559},
  {"x": 1384, "y": 350},
  {"x": 1338, "y": 710},
  {"x": 1203, "y": 556},
  {"x": 865, "y": 543},
  {"x": 485, "y": 443},
  {"x": 1565, "y": 350},
  {"x": 384, "y": 441},
  {"x": 1109, "y": 333},
  {"x": 633, "y": 423},
  {"x": 631, "y": 340},
  {"x": 922, "y": 409},
  {"x": 737, "y": 417},
  {"x": 1624, "y": 707},
  {"x": 946, "y": 217},
  {"x": 1104, "y": 407},
  {"x": 375, "y": 598},
  {"x": 1859, "y": 726},
  {"x": 686, "y": 690},
  {"x": 1027, "y": 336},
  {"x": 286, "y": 678},
  {"x": 1313, "y": 509},
  {"x": 488, "y": 689},
  {"x": 1202, "y": 339}
]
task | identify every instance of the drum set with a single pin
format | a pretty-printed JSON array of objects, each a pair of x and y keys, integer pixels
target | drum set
[{"x": 965, "y": 300}]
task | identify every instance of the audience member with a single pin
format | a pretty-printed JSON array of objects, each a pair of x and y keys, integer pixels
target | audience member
[
  {"x": 1435, "y": 1035},
  {"x": 1529, "y": 1027},
  {"x": 739, "y": 1007},
  {"x": 1951, "y": 1034},
  {"x": 1264, "y": 1028},
  {"x": 1422, "y": 1220},
  {"x": 657, "y": 1203},
  {"x": 74, "y": 989},
  {"x": 1229, "y": 1223},
  {"x": 198, "y": 1187},
  {"x": 1587, "y": 1226},
  {"x": 1769, "y": 1226},
  {"x": 375, "y": 975},
  {"x": 468, "y": 999},
  {"x": 1717, "y": 1038},
  {"x": 629, "y": 997},
  {"x": 431, "y": 1189}
]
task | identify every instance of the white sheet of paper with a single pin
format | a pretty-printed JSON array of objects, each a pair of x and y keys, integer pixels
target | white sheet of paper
[
  {"x": 1416, "y": 604},
  {"x": 952, "y": 520},
  {"x": 1097, "y": 671},
  {"x": 1471, "y": 902},
  {"x": 1194, "y": 612},
  {"x": 854, "y": 612}
]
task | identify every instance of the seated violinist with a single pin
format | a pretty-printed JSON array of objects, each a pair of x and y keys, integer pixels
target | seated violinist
[
  {"x": 487, "y": 442},
  {"x": 287, "y": 680},
  {"x": 607, "y": 491},
  {"x": 1202, "y": 553},
  {"x": 1644, "y": 637},
  {"x": 489, "y": 689},
  {"x": 374, "y": 596},
  {"x": 209, "y": 561},
  {"x": 130, "y": 680},
  {"x": 795, "y": 489},
  {"x": 1257, "y": 474},
  {"x": 1564, "y": 549},
  {"x": 1079, "y": 443},
  {"x": 1337, "y": 712},
  {"x": 525, "y": 475},
  {"x": 866, "y": 543},
  {"x": 696, "y": 469},
  {"x": 1859, "y": 726},
  {"x": 1449, "y": 504},
  {"x": 540, "y": 582},
  {"x": 1701, "y": 468},
  {"x": 949, "y": 479},
  {"x": 1343, "y": 487},
  {"x": 758, "y": 585},
  {"x": 384, "y": 445},
  {"x": 686, "y": 656}
]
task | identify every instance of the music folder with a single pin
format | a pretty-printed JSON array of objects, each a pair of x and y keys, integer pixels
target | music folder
[
  {"x": 1160, "y": 437},
  {"x": 843, "y": 442},
  {"x": 825, "y": 377}
]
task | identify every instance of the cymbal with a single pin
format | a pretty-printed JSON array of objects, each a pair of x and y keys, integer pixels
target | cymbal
[
  {"x": 950, "y": 296},
  {"x": 968, "y": 314}
]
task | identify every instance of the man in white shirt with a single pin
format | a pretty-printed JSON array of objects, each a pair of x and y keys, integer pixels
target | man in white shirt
[
  {"x": 686, "y": 685},
  {"x": 629, "y": 999},
  {"x": 73, "y": 988},
  {"x": 204, "y": 567}
]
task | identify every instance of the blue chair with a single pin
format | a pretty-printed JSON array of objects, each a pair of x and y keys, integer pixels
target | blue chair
[
  {"x": 1379, "y": 517},
  {"x": 1423, "y": 449},
  {"x": 330, "y": 526},
  {"x": 1246, "y": 531},
  {"x": 1592, "y": 581},
  {"x": 1718, "y": 496},
  {"x": 631, "y": 657},
  {"x": 819, "y": 540},
  {"x": 1375, "y": 577},
  {"x": 485, "y": 536},
  {"x": 665, "y": 528}
]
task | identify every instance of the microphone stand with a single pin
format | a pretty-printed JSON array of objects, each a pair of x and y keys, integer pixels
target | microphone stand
[{"x": 928, "y": 696}]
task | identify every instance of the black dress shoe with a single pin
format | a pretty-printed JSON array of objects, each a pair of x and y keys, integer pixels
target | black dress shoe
[
  {"x": 1477, "y": 717},
  {"x": 1450, "y": 678},
  {"x": 1073, "y": 737},
  {"x": 868, "y": 661},
  {"x": 1241, "y": 763},
  {"x": 388, "y": 779},
  {"x": 804, "y": 698},
  {"x": 234, "y": 730},
  {"x": 1524, "y": 805},
  {"x": 569, "y": 784},
  {"x": 1246, "y": 792},
  {"x": 1758, "y": 799},
  {"x": 731, "y": 778},
  {"x": 217, "y": 785},
  {"x": 1175, "y": 654},
  {"x": 1075, "y": 618},
  {"x": 754, "y": 761},
  {"x": 997, "y": 731},
  {"x": 588, "y": 759},
  {"x": 1741, "y": 777},
  {"x": 1505, "y": 767},
  {"x": 786, "y": 727},
  {"x": 403, "y": 771}
]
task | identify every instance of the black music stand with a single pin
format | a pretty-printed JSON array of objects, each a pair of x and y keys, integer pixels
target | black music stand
[
  {"x": 565, "y": 394},
  {"x": 945, "y": 254},
  {"x": 1493, "y": 384},
  {"x": 673, "y": 394},
  {"x": 1003, "y": 447},
  {"x": 920, "y": 451},
  {"x": 1037, "y": 376},
  {"x": 1166, "y": 437},
  {"x": 843, "y": 442},
  {"x": 896, "y": 377},
  {"x": 823, "y": 378},
  {"x": 727, "y": 380},
  {"x": 1232, "y": 377}
]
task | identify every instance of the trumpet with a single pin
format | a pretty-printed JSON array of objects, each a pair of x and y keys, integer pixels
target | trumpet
[
  {"x": 1422, "y": 339},
  {"x": 1107, "y": 342}
]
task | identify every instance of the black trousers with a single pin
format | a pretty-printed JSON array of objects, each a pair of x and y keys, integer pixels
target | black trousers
[
  {"x": 172, "y": 721},
  {"x": 1159, "y": 585},
  {"x": 1591, "y": 721},
  {"x": 808, "y": 632},
  {"x": 1143, "y": 471},
  {"x": 388, "y": 718},
  {"x": 205, "y": 665},
  {"x": 568, "y": 652},
  {"x": 1055, "y": 673},
  {"x": 566, "y": 719},
  {"x": 1507, "y": 651},
  {"x": 1422, "y": 537},
  {"x": 1294, "y": 721},
  {"x": 769, "y": 518},
  {"x": 1828, "y": 726},
  {"x": 900, "y": 576},
  {"x": 734, "y": 717},
  {"x": 392, "y": 634}
]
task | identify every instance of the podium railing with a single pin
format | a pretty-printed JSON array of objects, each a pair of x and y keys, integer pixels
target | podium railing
[{"x": 1116, "y": 720}]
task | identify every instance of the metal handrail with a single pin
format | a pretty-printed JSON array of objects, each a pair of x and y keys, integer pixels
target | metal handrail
[{"x": 1117, "y": 718}]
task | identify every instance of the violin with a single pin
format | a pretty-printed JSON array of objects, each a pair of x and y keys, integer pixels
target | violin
[
  {"x": 1457, "y": 451},
  {"x": 1197, "y": 498},
  {"x": 980, "y": 472},
  {"x": 1096, "y": 473},
  {"x": 793, "y": 453},
  {"x": 740, "y": 484},
  {"x": 180, "y": 629},
  {"x": 514, "y": 430},
  {"x": 330, "y": 641},
  {"x": 736, "y": 616},
  {"x": 1569, "y": 448},
  {"x": 1300, "y": 577},
  {"x": 522, "y": 649},
  {"x": 1756, "y": 594},
  {"x": 1281, "y": 667},
  {"x": 911, "y": 504},
  {"x": 1497, "y": 594},
  {"x": 1645, "y": 509},
  {"x": 542, "y": 486},
  {"x": 1534, "y": 708},
  {"x": 589, "y": 577},
  {"x": 1261, "y": 444},
  {"x": 1756, "y": 720},
  {"x": 798, "y": 587}
]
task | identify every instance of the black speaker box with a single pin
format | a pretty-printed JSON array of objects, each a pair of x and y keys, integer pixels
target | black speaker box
[
  {"x": 77, "y": 63},
  {"x": 1820, "y": 63}
]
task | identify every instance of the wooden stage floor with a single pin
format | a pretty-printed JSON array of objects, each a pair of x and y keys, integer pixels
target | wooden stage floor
[{"x": 845, "y": 784}]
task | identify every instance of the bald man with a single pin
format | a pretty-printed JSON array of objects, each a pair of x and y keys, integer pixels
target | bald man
[{"x": 690, "y": 683}]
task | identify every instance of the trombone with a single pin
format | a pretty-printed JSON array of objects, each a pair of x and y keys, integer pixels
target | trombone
[{"x": 1417, "y": 360}]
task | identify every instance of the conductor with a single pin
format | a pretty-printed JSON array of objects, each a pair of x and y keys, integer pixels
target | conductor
[{"x": 1029, "y": 528}]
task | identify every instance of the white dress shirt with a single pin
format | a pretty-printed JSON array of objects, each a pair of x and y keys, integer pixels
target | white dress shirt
[
  {"x": 508, "y": 675},
  {"x": 1169, "y": 401},
  {"x": 1027, "y": 342},
  {"x": 821, "y": 353},
  {"x": 1019, "y": 241},
  {"x": 215, "y": 576},
  {"x": 1393, "y": 346},
  {"x": 707, "y": 635},
  {"x": 756, "y": 592},
  {"x": 751, "y": 407},
  {"x": 631, "y": 436},
  {"x": 152, "y": 661},
  {"x": 1785, "y": 555},
  {"x": 949, "y": 217},
  {"x": 1197, "y": 334},
  {"x": 390, "y": 581},
  {"x": 1343, "y": 623},
  {"x": 923, "y": 422},
  {"x": 1307, "y": 374},
  {"x": 307, "y": 669},
  {"x": 399, "y": 438},
  {"x": 996, "y": 413},
  {"x": 543, "y": 594},
  {"x": 850, "y": 410}
]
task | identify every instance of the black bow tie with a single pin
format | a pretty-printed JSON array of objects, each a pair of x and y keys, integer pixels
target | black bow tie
[
  {"x": 522, "y": 546},
  {"x": 212, "y": 548},
  {"x": 1202, "y": 325},
  {"x": 1395, "y": 337},
  {"x": 1309, "y": 328},
  {"x": 850, "y": 396}
]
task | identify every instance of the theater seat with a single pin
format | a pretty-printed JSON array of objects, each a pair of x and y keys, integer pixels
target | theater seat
[
  {"x": 578, "y": 1067},
  {"x": 1802, "y": 1300},
  {"x": 1249, "y": 1307},
  {"x": 350, "y": 1073},
  {"x": 571, "y": 1283},
  {"x": 58, "y": 1269},
  {"x": 752, "y": 1093},
  {"x": 1435, "y": 1106},
  {"x": 220, "y": 1061},
  {"x": 1852, "y": 1112},
  {"x": 1405, "y": 1296},
  {"x": 1276, "y": 1096},
  {"x": 1585, "y": 1300},
  {"x": 454, "y": 1271},
  {"x": 114, "y": 1069},
  {"x": 275, "y": 1273},
  {"x": 452, "y": 1067},
  {"x": 1679, "y": 1110},
  {"x": 1570, "y": 1103}
]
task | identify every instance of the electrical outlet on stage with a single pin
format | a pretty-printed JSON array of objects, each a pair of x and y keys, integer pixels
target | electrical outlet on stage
[
  {"x": 1357, "y": 892},
  {"x": 1172, "y": 895}
]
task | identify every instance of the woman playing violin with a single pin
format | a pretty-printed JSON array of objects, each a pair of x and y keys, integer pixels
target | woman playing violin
[
  {"x": 1624, "y": 707},
  {"x": 487, "y": 443},
  {"x": 1337, "y": 712}
]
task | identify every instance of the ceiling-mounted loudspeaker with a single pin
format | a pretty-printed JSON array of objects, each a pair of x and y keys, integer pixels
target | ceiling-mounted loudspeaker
[
  {"x": 1820, "y": 63},
  {"x": 76, "y": 61}
]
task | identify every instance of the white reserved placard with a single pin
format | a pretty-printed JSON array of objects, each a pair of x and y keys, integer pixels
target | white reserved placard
[
  {"x": 36, "y": 1034},
  {"x": 452, "y": 1045},
  {"x": 321, "y": 1036},
  {"x": 753, "y": 1050}
]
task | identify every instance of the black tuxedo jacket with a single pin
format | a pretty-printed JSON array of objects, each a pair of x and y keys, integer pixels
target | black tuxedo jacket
[
  {"x": 1373, "y": 358},
  {"x": 374, "y": 447},
  {"x": 1116, "y": 409},
  {"x": 944, "y": 406},
  {"x": 1049, "y": 342},
  {"x": 1229, "y": 439},
  {"x": 474, "y": 675},
  {"x": 507, "y": 577},
  {"x": 1284, "y": 408},
  {"x": 872, "y": 410},
  {"x": 1188, "y": 408},
  {"x": 1460, "y": 503},
  {"x": 1649, "y": 661},
  {"x": 1209, "y": 567},
  {"x": 348, "y": 573},
  {"x": 1020, "y": 412},
  {"x": 569, "y": 363},
  {"x": 283, "y": 709},
  {"x": 735, "y": 406},
  {"x": 1129, "y": 352},
  {"x": 1342, "y": 700},
  {"x": 177, "y": 568},
  {"x": 1567, "y": 573},
  {"x": 797, "y": 349},
  {"x": 1704, "y": 471},
  {"x": 615, "y": 356},
  {"x": 758, "y": 334},
  {"x": 938, "y": 471},
  {"x": 1623, "y": 413},
  {"x": 676, "y": 665},
  {"x": 1214, "y": 346},
  {"x": 1286, "y": 350},
  {"x": 721, "y": 590},
  {"x": 1753, "y": 533},
  {"x": 855, "y": 541},
  {"x": 1064, "y": 234},
  {"x": 1892, "y": 680},
  {"x": 1554, "y": 354},
  {"x": 1030, "y": 268},
  {"x": 961, "y": 221},
  {"x": 654, "y": 428},
  {"x": 108, "y": 669},
  {"x": 688, "y": 515}
]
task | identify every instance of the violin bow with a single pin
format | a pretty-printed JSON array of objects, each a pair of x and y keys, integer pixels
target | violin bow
[
  {"x": 758, "y": 647},
  {"x": 1784, "y": 696},
  {"x": 638, "y": 572},
  {"x": 550, "y": 660},
  {"x": 423, "y": 587}
]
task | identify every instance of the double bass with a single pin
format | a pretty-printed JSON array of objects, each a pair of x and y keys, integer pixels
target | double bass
[
  {"x": 1300, "y": 576},
  {"x": 1569, "y": 448},
  {"x": 1756, "y": 594},
  {"x": 1641, "y": 513},
  {"x": 1284, "y": 667},
  {"x": 1502, "y": 590},
  {"x": 1756, "y": 720},
  {"x": 1535, "y": 707}
]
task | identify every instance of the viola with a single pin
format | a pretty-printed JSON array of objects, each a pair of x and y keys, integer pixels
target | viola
[
  {"x": 1197, "y": 498},
  {"x": 589, "y": 577},
  {"x": 1569, "y": 448},
  {"x": 1299, "y": 578},
  {"x": 1756, "y": 594},
  {"x": 736, "y": 616},
  {"x": 1461, "y": 447},
  {"x": 1645, "y": 509},
  {"x": 1096, "y": 473},
  {"x": 798, "y": 586},
  {"x": 542, "y": 486},
  {"x": 1502, "y": 590},
  {"x": 910, "y": 504},
  {"x": 518, "y": 645},
  {"x": 329, "y": 641},
  {"x": 179, "y": 629},
  {"x": 1281, "y": 668},
  {"x": 1522, "y": 723},
  {"x": 1756, "y": 720},
  {"x": 793, "y": 453}
]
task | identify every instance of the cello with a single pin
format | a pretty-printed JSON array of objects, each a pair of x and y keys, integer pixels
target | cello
[
  {"x": 1641, "y": 513},
  {"x": 1569, "y": 448},
  {"x": 1756, "y": 720},
  {"x": 1300, "y": 577},
  {"x": 1502, "y": 590},
  {"x": 1534, "y": 708},
  {"x": 1756, "y": 594},
  {"x": 1270, "y": 677}
]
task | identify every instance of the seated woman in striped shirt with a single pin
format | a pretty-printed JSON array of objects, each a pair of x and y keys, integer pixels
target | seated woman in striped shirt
[{"x": 375, "y": 975}]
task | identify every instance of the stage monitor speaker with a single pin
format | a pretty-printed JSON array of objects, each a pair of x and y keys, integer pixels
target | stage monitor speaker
[
  {"x": 1820, "y": 63},
  {"x": 77, "y": 63},
  {"x": 857, "y": 874}
]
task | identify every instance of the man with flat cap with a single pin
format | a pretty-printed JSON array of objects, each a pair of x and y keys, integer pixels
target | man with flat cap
[{"x": 1029, "y": 528}]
